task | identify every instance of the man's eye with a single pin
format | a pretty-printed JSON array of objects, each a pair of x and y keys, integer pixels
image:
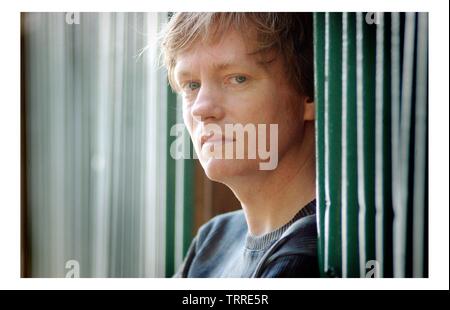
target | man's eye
[
  {"x": 192, "y": 86},
  {"x": 238, "y": 79}
]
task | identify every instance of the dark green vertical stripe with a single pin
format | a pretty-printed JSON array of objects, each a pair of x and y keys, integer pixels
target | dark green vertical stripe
[
  {"x": 319, "y": 58},
  {"x": 170, "y": 185},
  {"x": 188, "y": 201},
  {"x": 350, "y": 248},
  {"x": 333, "y": 146},
  {"x": 407, "y": 136},
  {"x": 387, "y": 206},
  {"x": 383, "y": 192}
]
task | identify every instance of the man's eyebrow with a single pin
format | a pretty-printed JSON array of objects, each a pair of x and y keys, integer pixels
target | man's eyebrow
[
  {"x": 222, "y": 66},
  {"x": 235, "y": 63},
  {"x": 225, "y": 65},
  {"x": 183, "y": 73}
]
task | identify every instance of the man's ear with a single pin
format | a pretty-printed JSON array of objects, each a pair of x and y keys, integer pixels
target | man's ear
[{"x": 309, "y": 113}]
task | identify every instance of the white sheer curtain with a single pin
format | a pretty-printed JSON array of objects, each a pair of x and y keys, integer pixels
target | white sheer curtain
[{"x": 96, "y": 144}]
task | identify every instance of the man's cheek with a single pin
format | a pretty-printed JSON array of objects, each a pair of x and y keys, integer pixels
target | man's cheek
[{"x": 188, "y": 121}]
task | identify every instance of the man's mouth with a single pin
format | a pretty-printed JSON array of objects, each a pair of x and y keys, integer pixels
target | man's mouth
[{"x": 215, "y": 139}]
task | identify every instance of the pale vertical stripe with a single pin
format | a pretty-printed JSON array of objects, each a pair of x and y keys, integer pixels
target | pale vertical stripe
[
  {"x": 420, "y": 145},
  {"x": 162, "y": 131},
  {"x": 156, "y": 135},
  {"x": 344, "y": 144},
  {"x": 117, "y": 141},
  {"x": 405, "y": 123},
  {"x": 395, "y": 128},
  {"x": 379, "y": 145},
  {"x": 69, "y": 121},
  {"x": 327, "y": 143},
  {"x": 76, "y": 242},
  {"x": 44, "y": 242},
  {"x": 101, "y": 161},
  {"x": 152, "y": 181},
  {"x": 360, "y": 142},
  {"x": 58, "y": 132},
  {"x": 161, "y": 189}
]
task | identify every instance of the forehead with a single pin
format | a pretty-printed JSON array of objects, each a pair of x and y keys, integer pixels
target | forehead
[{"x": 230, "y": 50}]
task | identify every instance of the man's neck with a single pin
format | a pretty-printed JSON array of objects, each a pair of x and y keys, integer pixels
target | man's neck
[{"x": 271, "y": 199}]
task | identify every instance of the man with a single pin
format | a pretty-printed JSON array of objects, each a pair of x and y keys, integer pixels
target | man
[{"x": 250, "y": 69}]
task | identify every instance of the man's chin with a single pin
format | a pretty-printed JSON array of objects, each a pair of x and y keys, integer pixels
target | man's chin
[
  {"x": 217, "y": 169},
  {"x": 221, "y": 170}
]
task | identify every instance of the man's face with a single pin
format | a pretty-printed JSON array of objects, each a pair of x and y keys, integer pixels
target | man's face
[{"x": 224, "y": 84}]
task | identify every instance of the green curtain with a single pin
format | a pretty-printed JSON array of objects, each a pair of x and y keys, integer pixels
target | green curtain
[{"x": 371, "y": 83}]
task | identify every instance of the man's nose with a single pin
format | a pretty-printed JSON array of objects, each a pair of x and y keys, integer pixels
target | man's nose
[{"x": 208, "y": 105}]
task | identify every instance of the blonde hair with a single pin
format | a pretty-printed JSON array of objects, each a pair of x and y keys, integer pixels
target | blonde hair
[{"x": 288, "y": 34}]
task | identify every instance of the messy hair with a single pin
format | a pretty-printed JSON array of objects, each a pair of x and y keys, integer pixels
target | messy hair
[{"x": 287, "y": 34}]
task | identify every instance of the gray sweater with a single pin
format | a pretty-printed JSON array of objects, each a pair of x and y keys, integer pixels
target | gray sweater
[{"x": 223, "y": 248}]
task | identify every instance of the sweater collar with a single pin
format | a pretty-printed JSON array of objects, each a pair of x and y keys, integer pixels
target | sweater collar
[{"x": 257, "y": 243}]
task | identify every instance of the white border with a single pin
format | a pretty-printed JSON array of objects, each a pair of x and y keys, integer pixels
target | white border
[{"x": 10, "y": 138}]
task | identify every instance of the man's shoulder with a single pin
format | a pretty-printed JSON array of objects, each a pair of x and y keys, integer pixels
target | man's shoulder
[
  {"x": 299, "y": 239},
  {"x": 303, "y": 227},
  {"x": 295, "y": 253}
]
